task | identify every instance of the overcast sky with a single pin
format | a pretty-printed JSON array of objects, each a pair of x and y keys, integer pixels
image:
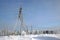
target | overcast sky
[{"x": 38, "y": 13}]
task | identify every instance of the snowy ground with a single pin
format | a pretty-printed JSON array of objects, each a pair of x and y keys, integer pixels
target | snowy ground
[{"x": 26, "y": 37}]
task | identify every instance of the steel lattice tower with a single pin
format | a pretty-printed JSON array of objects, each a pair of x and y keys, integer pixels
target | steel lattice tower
[{"x": 20, "y": 21}]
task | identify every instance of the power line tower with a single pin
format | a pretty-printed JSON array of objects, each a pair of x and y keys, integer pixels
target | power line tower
[{"x": 22, "y": 26}]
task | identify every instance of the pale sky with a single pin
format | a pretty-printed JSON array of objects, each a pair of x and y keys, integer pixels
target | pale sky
[{"x": 38, "y": 13}]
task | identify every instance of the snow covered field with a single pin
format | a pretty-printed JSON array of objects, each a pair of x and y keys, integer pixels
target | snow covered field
[{"x": 25, "y": 37}]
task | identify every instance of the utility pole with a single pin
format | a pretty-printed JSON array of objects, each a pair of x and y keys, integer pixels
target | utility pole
[{"x": 31, "y": 29}]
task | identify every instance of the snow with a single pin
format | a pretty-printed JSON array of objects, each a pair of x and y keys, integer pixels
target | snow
[
  {"x": 25, "y": 37},
  {"x": 14, "y": 38}
]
